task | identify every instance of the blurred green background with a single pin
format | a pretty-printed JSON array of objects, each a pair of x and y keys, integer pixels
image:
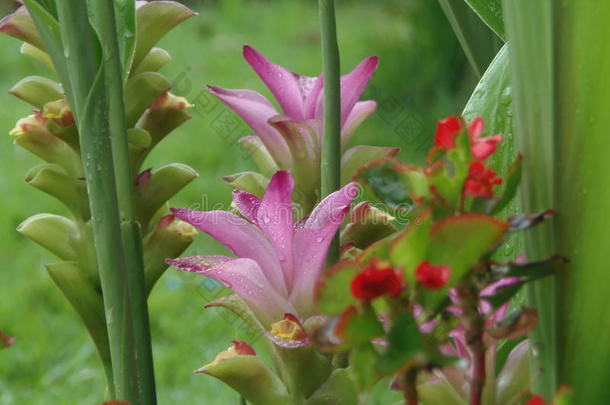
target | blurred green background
[{"x": 423, "y": 76}]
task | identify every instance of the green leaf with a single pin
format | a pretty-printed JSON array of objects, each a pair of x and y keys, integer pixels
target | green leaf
[
  {"x": 153, "y": 62},
  {"x": 386, "y": 183},
  {"x": 48, "y": 28},
  {"x": 512, "y": 179},
  {"x": 125, "y": 16},
  {"x": 530, "y": 29},
  {"x": 405, "y": 344},
  {"x": 53, "y": 180},
  {"x": 490, "y": 12},
  {"x": 21, "y": 26},
  {"x": 159, "y": 186},
  {"x": 358, "y": 156},
  {"x": 51, "y": 149},
  {"x": 249, "y": 376},
  {"x": 367, "y": 224},
  {"x": 409, "y": 248},
  {"x": 362, "y": 360},
  {"x": 492, "y": 101},
  {"x": 476, "y": 39},
  {"x": 153, "y": 21},
  {"x": 87, "y": 302},
  {"x": 37, "y": 91},
  {"x": 337, "y": 390},
  {"x": 334, "y": 295},
  {"x": 40, "y": 56},
  {"x": 140, "y": 92},
  {"x": 59, "y": 235},
  {"x": 251, "y": 182},
  {"x": 460, "y": 242},
  {"x": 165, "y": 241}
]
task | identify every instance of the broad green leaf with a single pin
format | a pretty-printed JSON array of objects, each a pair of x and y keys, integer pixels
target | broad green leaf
[
  {"x": 37, "y": 90},
  {"x": 512, "y": 179},
  {"x": 476, "y": 39},
  {"x": 490, "y": 12},
  {"x": 153, "y": 21},
  {"x": 334, "y": 295},
  {"x": 460, "y": 242},
  {"x": 405, "y": 344},
  {"x": 492, "y": 101}
]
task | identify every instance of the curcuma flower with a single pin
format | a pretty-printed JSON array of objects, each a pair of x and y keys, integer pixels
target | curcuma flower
[
  {"x": 278, "y": 261},
  {"x": 291, "y": 140}
]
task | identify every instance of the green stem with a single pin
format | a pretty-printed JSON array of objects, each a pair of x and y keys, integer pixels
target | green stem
[
  {"x": 132, "y": 238},
  {"x": 331, "y": 141},
  {"x": 90, "y": 103}
]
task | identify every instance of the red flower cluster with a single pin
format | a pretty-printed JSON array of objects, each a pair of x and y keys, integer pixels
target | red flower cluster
[
  {"x": 449, "y": 128},
  {"x": 374, "y": 282},
  {"x": 432, "y": 277},
  {"x": 481, "y": 180}
]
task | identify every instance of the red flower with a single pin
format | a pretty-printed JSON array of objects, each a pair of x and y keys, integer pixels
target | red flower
[
  {"x": 536, "y": 400},
  {"x": 432, "y": 277},
  {"x": 446, "y": 131},
  {"x": 481, "y": 180},
  {"x": 374, "y": 282},
  {"x": 481, "y": 148}
]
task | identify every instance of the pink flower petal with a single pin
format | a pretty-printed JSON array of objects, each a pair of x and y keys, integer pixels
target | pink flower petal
[
  {"x": 361, "y": 111},
  {"x": 288, "y": 88},
  {"x": 255, "y": 112},
  {"x": 476, "y": 128},
  {"x": 313, "y": 239},
  {"x": 247, "y": 204},
  {"x": 241, "y": 237},
  {"x": 311, "y": 101},
  {"x": 353, "y": 84},
  {"x": 274, "y": 217},
  {"x": 482, "y": 148},
  {"x": 246, "y": 279}
]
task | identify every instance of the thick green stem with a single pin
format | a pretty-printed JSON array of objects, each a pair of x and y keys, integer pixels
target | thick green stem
[
  {"x": 131, "y": 232},
  {"x": 91, "y": 102},
  {"x": 331, "y": 141}
]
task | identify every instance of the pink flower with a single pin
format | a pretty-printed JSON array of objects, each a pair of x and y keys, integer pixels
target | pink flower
[
  {"x": 291, "y": 139},
  {"x": 278, "y": 261}
]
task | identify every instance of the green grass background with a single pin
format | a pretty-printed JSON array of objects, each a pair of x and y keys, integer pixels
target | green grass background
[{"x": 422, "y": 77}]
